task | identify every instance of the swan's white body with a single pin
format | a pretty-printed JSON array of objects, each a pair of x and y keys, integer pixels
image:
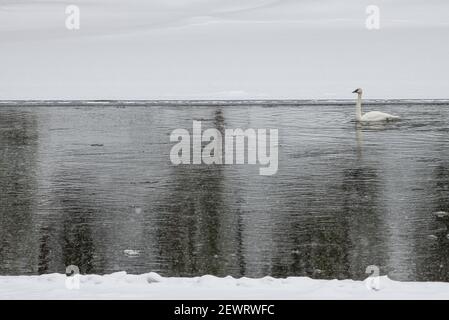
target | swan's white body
[
  {"x": 372, "y": 115},
  {"x": 377, "y": 116}
]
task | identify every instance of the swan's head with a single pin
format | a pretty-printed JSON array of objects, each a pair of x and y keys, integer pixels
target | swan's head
[{"x": 358, "y": 90}]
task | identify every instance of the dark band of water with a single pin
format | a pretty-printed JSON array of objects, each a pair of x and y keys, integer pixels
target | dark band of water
[
  {"x": 209, "y": 103},
  {"x": 87, "y": 186}
]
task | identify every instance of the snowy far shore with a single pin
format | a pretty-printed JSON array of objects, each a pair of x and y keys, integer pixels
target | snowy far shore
[
  {"x": 223, "y": 49},
  {"x": 153, "y": 286}
]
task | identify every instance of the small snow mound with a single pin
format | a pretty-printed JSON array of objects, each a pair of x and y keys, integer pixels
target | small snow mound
[
  {"x": 207, "y": 278},
  {"x": 213, "y": 281},
  {"x": 244, "y": 282},
  {"x": 268, "y": 279},
  {"x": 153, "y": 277}
]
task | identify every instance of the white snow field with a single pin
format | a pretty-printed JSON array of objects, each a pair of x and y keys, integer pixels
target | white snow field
[
  {"x": 223, "y": 49},
  {"x": 152, "y": 286}
]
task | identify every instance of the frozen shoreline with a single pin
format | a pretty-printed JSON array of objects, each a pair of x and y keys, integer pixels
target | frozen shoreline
[
  {"x": 153, "y": 286},
  {"x": 198, "y": 49}
]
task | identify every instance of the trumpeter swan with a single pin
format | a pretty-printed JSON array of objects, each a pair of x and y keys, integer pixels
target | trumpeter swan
[{"x": 372, "y": 115}]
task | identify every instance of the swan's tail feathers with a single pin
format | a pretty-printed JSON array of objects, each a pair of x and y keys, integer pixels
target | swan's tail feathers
[{"x": 391, "y": 117}]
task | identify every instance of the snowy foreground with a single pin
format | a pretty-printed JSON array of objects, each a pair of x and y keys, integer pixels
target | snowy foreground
[{"x": 152, "y": 286}]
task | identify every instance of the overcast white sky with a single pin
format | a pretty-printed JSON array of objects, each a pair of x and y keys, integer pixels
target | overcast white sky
[{"x": 205, "y": 49}]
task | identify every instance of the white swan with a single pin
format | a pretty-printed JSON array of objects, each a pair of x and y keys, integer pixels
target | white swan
[{"x": 372, "y": 115}]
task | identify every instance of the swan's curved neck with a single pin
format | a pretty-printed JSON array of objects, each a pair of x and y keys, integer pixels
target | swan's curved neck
[{"x": 358, "y": 107}]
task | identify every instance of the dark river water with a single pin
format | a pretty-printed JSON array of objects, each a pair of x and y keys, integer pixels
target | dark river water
[{"x": 82, "y": 185}]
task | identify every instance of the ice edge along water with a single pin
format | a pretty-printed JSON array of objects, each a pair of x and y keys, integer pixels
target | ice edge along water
[{"x": 121, "y": 285}]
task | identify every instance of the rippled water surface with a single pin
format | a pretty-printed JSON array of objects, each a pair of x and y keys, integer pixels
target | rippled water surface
[{"x": 80, "y": 185}]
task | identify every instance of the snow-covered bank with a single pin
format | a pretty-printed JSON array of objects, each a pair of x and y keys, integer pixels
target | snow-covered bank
[
  {"x": 152, "y": 286},
  {"x": 223, "y": 49}
]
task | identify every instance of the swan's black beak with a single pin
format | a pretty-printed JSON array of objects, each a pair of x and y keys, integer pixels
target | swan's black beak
[{"x": 355, "y": 91}]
